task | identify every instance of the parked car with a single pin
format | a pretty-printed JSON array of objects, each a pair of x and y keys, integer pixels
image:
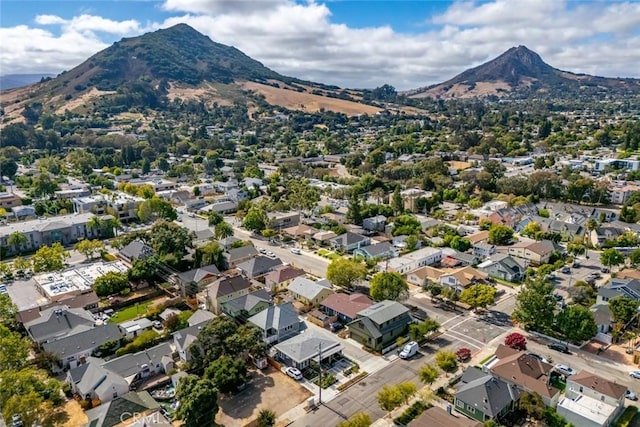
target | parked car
[
  {"x": 630, "y": 395},
  {"x": 157, "y": 324},
  {"x": 566, "y": 270},
  {"x": 605, "y": 270},
  {"x": 565, "y": 370},
  {"x": 409, "y": 350},
  {"x": 271, "y": 254},
  {"x": 537, "y": 356},
  {"x": 294, "y": 373},
  {"x": 635, "y": 374},
  {"x": 295, "y": 251},
  {"x": 335, "y": 326},
  {"x": 262, "y": 250},
  {"x": 558, "y": 346}
]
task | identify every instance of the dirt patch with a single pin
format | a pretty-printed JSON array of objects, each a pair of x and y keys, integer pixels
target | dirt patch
[
  {"x": 75, "y": 413},
  {"x": 268, "y": 389},
  {"x": 308, "y": 102},
  {"x": 615, "y": 352},
  {"x": 84, "y": 99}
]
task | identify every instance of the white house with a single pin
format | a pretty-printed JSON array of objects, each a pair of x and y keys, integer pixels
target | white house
[{"x": 412, "y": 261}]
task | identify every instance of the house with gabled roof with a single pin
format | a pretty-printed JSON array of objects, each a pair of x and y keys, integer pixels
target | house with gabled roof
[
  {"x": 345, "y": 306},
  {"x": 504, "y": 267},
  {"x": 135, "y": 409},
  {"x": 72, "y": 350},
  {"x": 200, "y": 316},
  {"x": 245, "y": 306},
  {"x": 309, "y": 292},
  {"x": 300, "y": 350},
  {"x": 378, "y": 326},
  {"x": 382, "y": 250},
  {"x": 591, "y": 400},
  {"x": 536, "y": 252},
  {"x": 183, "y": 339},
  {"x": 526, "y": 372},
  {"x": 348, "y": 242},
  {"x": 136, "y": 250},
  {"x": 225, "y": 289},
  {"x": 258, "y": 266},
  {"x": 483, "y": 397},
  {"x": 278, "y": 279},
  {"x": 58, "y": 322},
  {"x": 619, "y": 287},
  {"x": 462, "y": 278},
  {"x": 92, "y": 381},
  {"x": 277, "y": 322},
  {"x": 134, "y": 367},
  {"x": 235, "y": 256},
  {"x": 194, "y": 280}
]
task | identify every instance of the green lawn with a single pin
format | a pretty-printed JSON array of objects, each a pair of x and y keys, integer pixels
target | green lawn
[
  {"x": 561, "y": 385},
  {"x": 130, "y": 312}
]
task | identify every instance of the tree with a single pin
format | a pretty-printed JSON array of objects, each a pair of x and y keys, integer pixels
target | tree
[
  {"x": 266, "y": 418},
  {"x": 531, "y": 229},
  {"x": 223, "y": 230},
  {"x": 390, "y": 397},
  {"x": 156, "y": 208},
  {"x": 500, "y": 234},
  {"x": 359, "y": 419},
  {"x": 144, "y": 268},
  {"x": 532, "y": 404},
  {"x": 388, "y": 286},
  {"x": 89, "y": 248},
  {"x": 20, "y": 265},
  {"x": 397, "y": 204},
  {"x": 516, "y": 341},
  {"x": 43, "y": 186},
  {"x": 111, "y": 283},
  {"x": 8, "y": 310},
  {"x": 354, "y": 213},
  {"x": 535, "y": 305},
  {"x": 345, "y": 272},
  {"x": 211, "y": 253},
  {"x": 49, "y": 258},
  {"x": 463, "y": 354},
  {"x": 460, "y": 244},
  {"x": 428, "y": 373},
  {"x": 15, "y": 350},
  {"x": 447, "y": 361},
  {"x": 169, "y": 239},
  {"x": 623, "y": 308},
  {"x": 577, "y": 323},
  {"x": 301, "y": 195},
  {"x": 198, "y": 401},
  {"x": 256, "y": 219},
  {"x": 479, "y": 295},
  {"x": 418, "y": 331},
  {"x": 215, "y": 218},
  {"x": 406, "y": 224},
  {"x": 634, "y": 257},
  {"x": 17, "y": 240},
  {"x": 611, "y": 257},
  {"x": 227, "y": 373}
]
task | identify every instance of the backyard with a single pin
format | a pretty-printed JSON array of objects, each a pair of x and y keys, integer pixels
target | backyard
[{"x": 130, "y": 312}]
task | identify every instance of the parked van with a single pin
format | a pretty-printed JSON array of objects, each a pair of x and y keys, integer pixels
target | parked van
[{"x": 409, "y": 350}]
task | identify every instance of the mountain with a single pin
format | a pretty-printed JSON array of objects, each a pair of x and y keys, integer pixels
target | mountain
[
  {"x": 10, "y": 81},
  {"x": 521, "y": 70}
]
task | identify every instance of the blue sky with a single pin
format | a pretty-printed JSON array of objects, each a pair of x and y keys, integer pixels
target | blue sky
[{"x": 348, "y": 43}]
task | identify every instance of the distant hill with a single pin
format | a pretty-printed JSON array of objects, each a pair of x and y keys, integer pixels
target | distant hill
[
  {"x": 10, "y": 81},
  {"x": 520, "y": 70}
]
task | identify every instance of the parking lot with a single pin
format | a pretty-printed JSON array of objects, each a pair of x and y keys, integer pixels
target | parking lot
[{"x": 24, "y": 295}]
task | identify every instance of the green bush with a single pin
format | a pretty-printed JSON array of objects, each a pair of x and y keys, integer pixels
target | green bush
[
  {"x": 411, "y": 413},
  {"x": 627, "y": 416}
]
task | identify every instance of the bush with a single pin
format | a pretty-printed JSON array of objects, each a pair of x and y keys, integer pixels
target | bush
[
  {"x": 352, "y": 381},
  {"x": 627, "y": 416},
  {"x": 411, "y": 413},
  {"x": 516, "y": 341}
]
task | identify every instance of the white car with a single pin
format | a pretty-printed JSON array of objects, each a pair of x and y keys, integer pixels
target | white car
[
  {"x": 262, "y": 250},
  {"x": 565, "y": 370},
  {"x": 635, "y": 374},
  {"x": 294, "y": 373},
  {"x": 630, "y": 395},
  {"x": 295, "y": 251},
  {"x": 271, "y": 254}
]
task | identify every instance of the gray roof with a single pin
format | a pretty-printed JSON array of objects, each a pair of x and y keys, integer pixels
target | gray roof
[
  {"x": 241, "y": 252},
  {"x": 601, "y": 314},
  {"x": 617, "y": 287},
  {"x": 131, "y": 364},
  {"x": 228, "y": 285},
  {"x": 305, "y": 346},
  {"x": 136, "y": 250},
  {"x": 259, "y": 265},
  {"x": 488, "y": 394},
  {"x": 276, "y": 317},
  {"x": 197, "y": 274},
  {"x": 349, "y": 238},
  {"x": 377, "y": 250},
  {"x": 52, "y": 223},
  {"x": 86, "y": 340},
  {"x": 249, "y": 301},
  {"x": 122, "y": 409},
  {"x": 91, "y": 376},
  {"x": 200, "y": 316},
  {"x": 306, "y": 288},
  {"x": 185, "y": 337},
  {"x": 384, "y": 311},
  {"x": 59, "y": 321}
]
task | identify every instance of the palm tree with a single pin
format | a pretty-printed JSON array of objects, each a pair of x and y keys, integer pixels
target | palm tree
[
  {"x": 266, "y": 418},
  {"x": 223, "y": 230},
  {"x": 95, "y": 224},
  {"x": 378, "y": 193},
  {"x": 17, "y": 240}
]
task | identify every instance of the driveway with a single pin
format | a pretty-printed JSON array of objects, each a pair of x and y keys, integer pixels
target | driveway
[{"x": 267, "y": 389}]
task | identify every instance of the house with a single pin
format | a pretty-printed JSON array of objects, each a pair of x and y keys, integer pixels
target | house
[
  {"x": 618, "y": 287},
  {"x": 308, "y": 292},
  {"x": 258, "y": 266},
  {"x": 277, "y": 322},
  {"x": 278, "y": 279},
  {"x": 236, "y": 256},
  {"x": 504, "y": 267},
  {"x": 526, "y": 372},
  {"x": 281, "y": 220},
  {"x": 591, "y": 401},
  {"x": 245, "y": 306},
  {"x": 9, "y": 200},
  {"x": 536, "y": 252},
  {"x": 348, "y": 242},
  {"x": 135, "y": 367},
  {"x": 131, "y": 328},
  {"x": 72, "y": 350},
  {"x": 57, "y": 322},
  {"x": 453, "y": 258},
  {"x": 300, "y": 350},
  {"x": 226, "y": 289},
  {"x": 374, "y": 223},
  {"x": 324, "y": 236},
  {"x": 382, "y": 250},
  {"x": 462, "y": 278},
  {"x": 193, "y": 281},
  {"x": 424, "y": 275},
  {"x": 483, "y": 397},
  {"x": 438, "y": 417},
  {"x": 200, "y": 316},
  {"x": 601, "y": 234},
  {"x": 300, "y": 231},
  {"x": 480, "y": 236},
  {"x": 135, "y": 250},
  {"x": 412, "y": 261},
  {"x": 133, "y": 409},
  {"x": 227, "y": 242},
  {"x": 378, "y": 326},
  {"x": 603, "y": 318},
  {"x": 483, "y": 249},
  {"x": 345, "y": 306},
  {"x": 92, "y": 381},
  {"x": 183, "y": 339}
]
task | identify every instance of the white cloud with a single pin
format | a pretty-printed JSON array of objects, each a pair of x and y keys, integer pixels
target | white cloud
[{"x": 301, "y": 40}]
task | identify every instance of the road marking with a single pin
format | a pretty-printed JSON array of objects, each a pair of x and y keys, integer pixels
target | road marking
[
  {"x": 466, "y": 337},
  {"x": 462, "y": 340},
  {"x": 453, "y": 318}
]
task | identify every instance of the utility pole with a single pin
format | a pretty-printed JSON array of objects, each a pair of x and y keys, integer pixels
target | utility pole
[{"x": 320, "y": 374}]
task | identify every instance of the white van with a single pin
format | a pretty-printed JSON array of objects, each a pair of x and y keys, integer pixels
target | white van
[{"x": 409, "y": 350}]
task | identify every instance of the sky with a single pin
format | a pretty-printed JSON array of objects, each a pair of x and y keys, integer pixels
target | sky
[{"x": 350, "y": 43}]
